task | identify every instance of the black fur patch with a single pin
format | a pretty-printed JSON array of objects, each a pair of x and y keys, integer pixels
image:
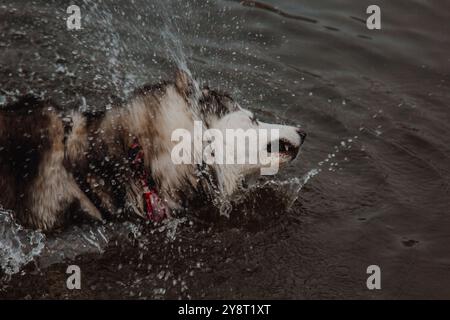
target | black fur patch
[{"x": 24, "y": 140}]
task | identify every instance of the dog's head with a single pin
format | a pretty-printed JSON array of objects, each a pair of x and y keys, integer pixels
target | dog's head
[{"x": 235, "y": 143}]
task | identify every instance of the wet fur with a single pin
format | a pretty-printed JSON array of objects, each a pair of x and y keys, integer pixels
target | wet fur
[
  {"x": 57, "y": 167},
  {"x": 35, "y": 183},
  {"x": 49, "y": 176}
]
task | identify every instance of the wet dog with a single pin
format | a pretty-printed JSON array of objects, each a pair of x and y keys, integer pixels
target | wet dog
[{"x": 56, "y": 165}]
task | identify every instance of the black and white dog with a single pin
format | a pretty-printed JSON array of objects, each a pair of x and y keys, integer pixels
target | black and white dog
[{"x": 56, "y": 164}]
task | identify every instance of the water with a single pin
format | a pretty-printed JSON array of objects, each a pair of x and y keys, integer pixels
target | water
[
  {"x": 18, "y": 247},
  {"x": 372, "y": 184}
]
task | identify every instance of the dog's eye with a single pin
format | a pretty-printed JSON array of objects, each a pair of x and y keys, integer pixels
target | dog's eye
[{"x": 254, "y": 120}]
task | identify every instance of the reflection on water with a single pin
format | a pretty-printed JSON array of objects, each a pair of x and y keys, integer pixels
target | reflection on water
[{"x": 374, "y": 104}]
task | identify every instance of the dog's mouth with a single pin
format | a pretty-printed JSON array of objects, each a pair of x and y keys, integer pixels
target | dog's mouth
[{"x": 285, "y": 148}]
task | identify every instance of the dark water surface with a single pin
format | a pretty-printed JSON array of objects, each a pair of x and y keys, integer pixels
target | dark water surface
[{"x": 374, "y": 104}]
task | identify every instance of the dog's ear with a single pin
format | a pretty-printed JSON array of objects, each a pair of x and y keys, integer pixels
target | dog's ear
[{"x": 184, "y": 83}]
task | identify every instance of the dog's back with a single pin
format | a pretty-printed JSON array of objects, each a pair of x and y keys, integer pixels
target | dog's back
[
  {"x": 24, "y": 139},
  {"x": 33, "y": 180}
]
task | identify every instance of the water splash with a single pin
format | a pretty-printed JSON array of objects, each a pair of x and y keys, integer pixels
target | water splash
[
  {"x": 114, "y": 47},
  {"x": 175, "y": 48},
  {"x": 290, "y": 188},
  {"x": 171, "y": 34},
  {"x": 18, "y": 246},
  {"x": 171, "y": 227},
  {"x": 125, "y": 49},
  {"x": 294, "y": 185}
]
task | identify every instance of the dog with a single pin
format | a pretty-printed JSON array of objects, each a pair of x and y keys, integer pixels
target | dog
[{"x": 58, "y": 166}]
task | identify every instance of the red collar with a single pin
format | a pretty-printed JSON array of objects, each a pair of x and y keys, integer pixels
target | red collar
[{"x": 154, "y": 206}]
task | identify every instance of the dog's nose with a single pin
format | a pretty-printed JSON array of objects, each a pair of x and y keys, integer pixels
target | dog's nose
[{"x": 302, "y": 135}]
